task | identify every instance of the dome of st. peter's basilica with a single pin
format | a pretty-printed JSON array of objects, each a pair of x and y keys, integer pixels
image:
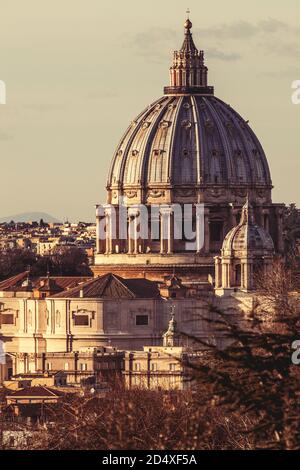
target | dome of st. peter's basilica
[{"x": 187, "y": 147}]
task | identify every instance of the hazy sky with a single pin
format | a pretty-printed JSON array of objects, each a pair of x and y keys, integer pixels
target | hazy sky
[{"x": 77, "y": 72}]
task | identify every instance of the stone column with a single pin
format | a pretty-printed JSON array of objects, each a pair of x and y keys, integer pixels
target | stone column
[
  {"x": 100, "y": 242},
  {"x": 243, "y": 267},
  {"x": 134, "y": 238},
  {"x": 170, "y": 232},
  {"x": 206, "y": 231},
  {"x": 162, "y": 232},
  {"x": 171, "y": 239},
  {"x": 166, "y": 230},
  {"x": 130, "y": 234},
  {"x": 247, "y": 273},
  {"x": 226, "y": 274},
  {"x": 218, "y": 272},
  {"x": 229, "y": 274},
  {"x": 135, "y": 234},
  {"x": 107, "y": 239},
  {"x": 200, "y": 231},
  {"x": 109, "y": 231}
]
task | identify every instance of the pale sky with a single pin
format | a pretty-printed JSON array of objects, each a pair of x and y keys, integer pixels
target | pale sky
[{"x": 77, "y": 72}]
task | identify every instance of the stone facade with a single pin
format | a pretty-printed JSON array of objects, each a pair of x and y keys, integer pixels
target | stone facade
[
  {"x": 109, "y": 323},
  {"x": 122, "y": 313},
  {"x": 157, "y": 368}
]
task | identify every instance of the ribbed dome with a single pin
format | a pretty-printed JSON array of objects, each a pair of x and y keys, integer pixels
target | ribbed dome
[
  {"x": 190, "y": 139},
  {"x": 247, "y": 237},
  {"x": 188, "y": 158}
]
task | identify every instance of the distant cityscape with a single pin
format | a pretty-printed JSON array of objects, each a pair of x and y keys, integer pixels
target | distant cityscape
[{"x": 44, "y": 238}]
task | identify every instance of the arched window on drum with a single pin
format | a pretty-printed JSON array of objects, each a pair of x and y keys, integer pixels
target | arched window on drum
[
  {"x": 131, "y": 170},
  {"x": 186, "y": 168},
  {"x": 215, "y": 169},
  {"x": 117, "y": 167},
  {"x": 241, "y": 170},
  {"x": 259, "y": 169},
  {"x": 156, "y": 167}
]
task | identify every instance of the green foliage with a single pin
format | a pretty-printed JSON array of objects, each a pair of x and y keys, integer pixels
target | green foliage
[
  {"x": 67, "y": 261},
  {"x": 291, "y": 235},
  {"x": 142, "y": 420}
]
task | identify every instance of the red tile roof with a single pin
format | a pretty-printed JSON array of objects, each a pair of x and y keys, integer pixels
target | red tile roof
[
  {"x": 56, "y": 283},
  {"x": 111, "y": 286},
  {"x": 38, "y": 391},
  {"x": 12, "y": 281}
]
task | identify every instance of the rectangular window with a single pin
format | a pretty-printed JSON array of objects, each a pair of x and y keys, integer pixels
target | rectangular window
[
  {"x": 66, "y": 366},
  {"x": 172, "y": 367},
  {"x": 137, "y": 366},
  {"x": 7, "y": 319},
  {"x": 134, "y": 380},
  {"x": 216, "y": 231},
  {"x": 173, "y": 380},
  {"x": 141, "y": 320},
  {"x": 49, "y": 366},
  {"x": 154, "y": 366},
  {"x": 81, "y": 320},
  {"x": 83, "y": 367}
]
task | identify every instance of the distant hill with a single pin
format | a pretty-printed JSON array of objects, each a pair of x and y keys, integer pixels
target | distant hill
[{"x": 30, "y": 216}]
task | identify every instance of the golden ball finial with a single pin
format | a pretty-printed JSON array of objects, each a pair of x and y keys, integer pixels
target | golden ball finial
[{"x": 188, "y": 24}]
